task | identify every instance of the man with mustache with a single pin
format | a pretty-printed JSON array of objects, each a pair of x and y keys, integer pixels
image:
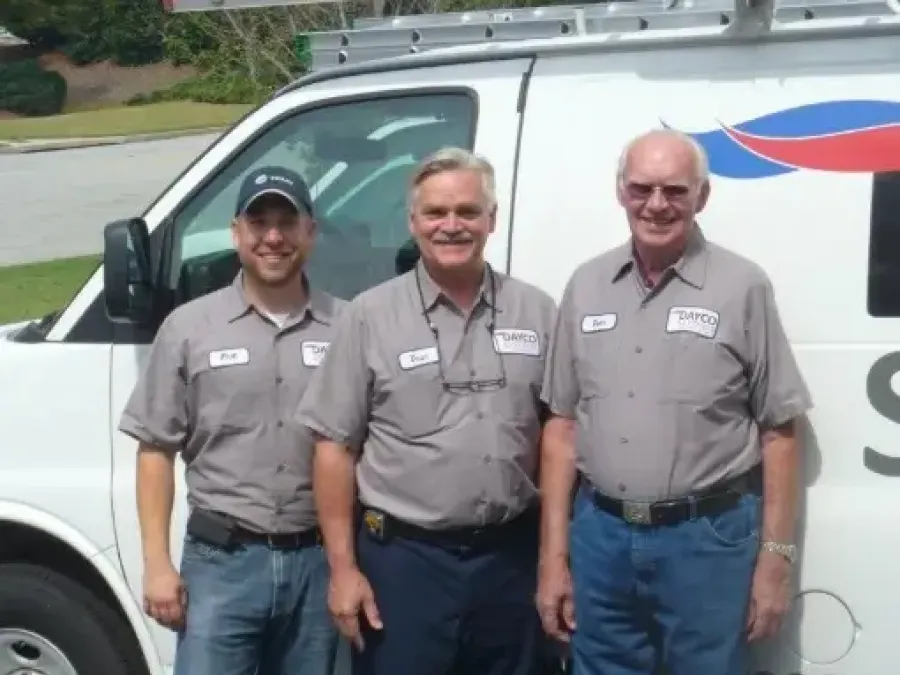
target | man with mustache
[
  {"x": 428, "y": 405},
  {"x": 224, "y": 376},
  {"x": 674, "y": 395}
]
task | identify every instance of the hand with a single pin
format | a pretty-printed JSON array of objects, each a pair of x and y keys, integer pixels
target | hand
[
  {"x": 555, "y": 602},
  {"x": 165, "y": 597},
  {"x": 770, "y": 596},
  {"x": 348, "y": 595}
]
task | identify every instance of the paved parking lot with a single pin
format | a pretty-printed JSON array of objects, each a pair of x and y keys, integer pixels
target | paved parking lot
[{"x": 56, "y": 204}]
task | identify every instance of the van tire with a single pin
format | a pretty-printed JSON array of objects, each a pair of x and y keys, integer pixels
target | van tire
[{"x": 91, "y": 635}]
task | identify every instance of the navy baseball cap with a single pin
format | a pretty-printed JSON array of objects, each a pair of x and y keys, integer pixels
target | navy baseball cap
[{"x": 274, "y": 180}]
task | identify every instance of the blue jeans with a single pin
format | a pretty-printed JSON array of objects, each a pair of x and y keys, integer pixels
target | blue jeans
[
  {"x": 255, "y": 608},
  {"x": 668, "y": 599},
  {"x": 451, "y": 610}
]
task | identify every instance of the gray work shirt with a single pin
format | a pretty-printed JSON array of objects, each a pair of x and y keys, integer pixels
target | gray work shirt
[
  {"x": 220, "y": 386},
  {"x": 429, "y": 456},
  {"x": 671, "y": 387}
]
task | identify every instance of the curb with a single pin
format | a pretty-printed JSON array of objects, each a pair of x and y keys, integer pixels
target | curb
[{"x": 49, "y": 145}]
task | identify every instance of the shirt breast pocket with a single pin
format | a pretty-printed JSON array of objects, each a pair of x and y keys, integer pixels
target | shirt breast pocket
[
  {"x": 228, "y": 396},
  {"x": 699, "y": 370},
  {"x": 518, "y": 402},
  {"x": 414, "y": 401}
]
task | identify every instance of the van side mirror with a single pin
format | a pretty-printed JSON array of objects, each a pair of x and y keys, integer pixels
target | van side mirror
[{"x": 128, "y": 272}]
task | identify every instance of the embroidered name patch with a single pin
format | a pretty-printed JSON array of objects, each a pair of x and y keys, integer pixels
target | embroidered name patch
[
  {"x": 597, "y": 323},
  {"x": 418, "y": 357},
  {"x": 703, "y": 322},
  {"x": 314, "y": 353},
  {"x": 229, "y": 357},
  {"x": 517, "y": 341}
]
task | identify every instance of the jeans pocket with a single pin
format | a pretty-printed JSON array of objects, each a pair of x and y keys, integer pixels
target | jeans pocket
[
  {"x": 199, "y": 551},
  {"x": 737, "y": 526}
]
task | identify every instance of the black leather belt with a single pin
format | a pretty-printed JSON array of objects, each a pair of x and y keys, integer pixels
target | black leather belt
[
  {"x": 383, "y": 526},
  {"x": 286, "y": 540},
  {"x": 671, "y": 512}
]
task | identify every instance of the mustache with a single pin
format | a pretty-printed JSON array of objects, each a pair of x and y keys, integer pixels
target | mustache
[{"x": 444, "y": 238}]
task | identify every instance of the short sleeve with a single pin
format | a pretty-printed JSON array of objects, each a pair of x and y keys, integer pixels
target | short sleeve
[
  {"x": 335, "y": 405},
  {"x": 157, "y": 411},
  {"x": 560, "y": 391},
  {"x": 778, "y": 392}
]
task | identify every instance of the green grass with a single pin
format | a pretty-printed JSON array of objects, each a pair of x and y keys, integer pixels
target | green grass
[
  {"x": 123, "y": 121},
  {"x": 30, "y": 291}
]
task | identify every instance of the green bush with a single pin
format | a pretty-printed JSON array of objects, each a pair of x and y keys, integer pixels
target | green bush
[
  {"x": 209, "y": 88},
  {"x": 28, "y": 89}
]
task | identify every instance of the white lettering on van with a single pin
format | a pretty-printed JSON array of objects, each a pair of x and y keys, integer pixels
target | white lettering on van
[
  {"x": 229, "y": 357},
  {"x": 517, "y": 341},
  {"x": 418, "y": 357},
  {"x": 598, "y": 323},
  {"x": 704, "y": 322},
  {"x": 314, "y": 353}
]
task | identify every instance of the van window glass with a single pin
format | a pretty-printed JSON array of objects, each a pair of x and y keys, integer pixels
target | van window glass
[
  {"x": 357, "y": 157},
  {"x": 884, "y": 243}
]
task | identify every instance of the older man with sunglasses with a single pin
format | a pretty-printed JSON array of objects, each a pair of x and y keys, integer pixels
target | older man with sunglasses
[
  {"x": 428, "y": 403},
  {"x": 674, "y": 395}
]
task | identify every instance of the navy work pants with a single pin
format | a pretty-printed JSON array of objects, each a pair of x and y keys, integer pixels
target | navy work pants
[
  {"x": 670, "y": 599},
  {"x": 453, "y": 610}
]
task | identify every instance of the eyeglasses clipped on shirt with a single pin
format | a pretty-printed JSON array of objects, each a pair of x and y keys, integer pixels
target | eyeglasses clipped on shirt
[{"x": 473, "y": 385}]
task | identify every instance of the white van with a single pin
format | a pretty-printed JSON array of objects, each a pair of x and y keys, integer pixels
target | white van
[{"x": 802, "y": 125}]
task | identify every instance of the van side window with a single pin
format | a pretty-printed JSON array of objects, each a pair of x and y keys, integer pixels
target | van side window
[
  {"x": 884, "y": 245},
  {"x": 357, "y": 157}
]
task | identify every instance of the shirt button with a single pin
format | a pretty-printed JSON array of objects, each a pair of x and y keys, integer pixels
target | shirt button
[
  {"x": 279, "y": 380},
  {"x": 472, "y": 372},
  {"x": 638, "y": 349},
  {"x": 487, "y": 459},
  {"x": 623, "y": 440},
  {"x": 479, "y": 415},
  {"x": 279, "y": 424},
  {"x": 279, "y": 468},
  {"x": 622, "y": 487},
  {"x": 630, "y": 394}
]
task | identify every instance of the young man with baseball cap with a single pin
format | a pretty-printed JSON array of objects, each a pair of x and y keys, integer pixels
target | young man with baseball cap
[{"x": 224, "y": 375}]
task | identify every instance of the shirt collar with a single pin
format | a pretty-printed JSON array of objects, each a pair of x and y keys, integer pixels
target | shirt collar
[
  {"x": 431, "y": 292},
  {"x": 690, "y": 267},
  {"x": 317, "y": 305}
]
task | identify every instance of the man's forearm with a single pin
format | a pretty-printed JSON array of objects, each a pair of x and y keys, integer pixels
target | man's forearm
[
  {"x": 155, "y": 497},
  {"x": 781, "y": 484},
  {"x": 335, "y": 493},
  {"x": 557, "y": 479}
]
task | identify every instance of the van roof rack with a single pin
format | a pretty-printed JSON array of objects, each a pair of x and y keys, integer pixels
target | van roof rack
[{"x": 379, "y": 37}]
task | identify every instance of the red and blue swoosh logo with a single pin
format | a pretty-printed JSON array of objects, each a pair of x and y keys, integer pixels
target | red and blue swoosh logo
[{"x": 835, "y": 136}]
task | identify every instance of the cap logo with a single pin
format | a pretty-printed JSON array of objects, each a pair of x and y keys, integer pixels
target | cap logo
[{"x": 261, "y": 178}]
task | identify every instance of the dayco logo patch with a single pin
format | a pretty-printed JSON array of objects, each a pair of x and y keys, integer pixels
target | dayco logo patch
[
  {"x": 517, "y": 341},
  {"x": 698, "y": 320}
]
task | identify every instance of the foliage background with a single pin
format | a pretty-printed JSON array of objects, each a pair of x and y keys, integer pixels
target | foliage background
[{"x": 241, "y": 56}]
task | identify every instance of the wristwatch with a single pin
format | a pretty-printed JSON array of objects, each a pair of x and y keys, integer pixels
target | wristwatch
[{"x": 787, "y": 551}]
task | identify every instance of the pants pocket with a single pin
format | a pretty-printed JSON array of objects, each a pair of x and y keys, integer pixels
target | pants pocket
[{"x": 737, "y": 526}]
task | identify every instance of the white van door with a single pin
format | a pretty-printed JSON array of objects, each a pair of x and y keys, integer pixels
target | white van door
[{"x": 356, "y": 141}]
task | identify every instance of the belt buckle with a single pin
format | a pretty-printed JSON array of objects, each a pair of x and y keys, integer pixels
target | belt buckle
[
  {"x": 374, "y": 523},
  {"x": 637, "y": 513}
]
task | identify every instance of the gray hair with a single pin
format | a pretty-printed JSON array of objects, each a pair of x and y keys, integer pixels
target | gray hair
[
  {"x": 454, "y": 159},
  {"x": 701, "y": 161}
]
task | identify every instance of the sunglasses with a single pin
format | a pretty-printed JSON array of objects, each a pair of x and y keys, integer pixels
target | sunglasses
[{"x": 643, "y": 191}]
